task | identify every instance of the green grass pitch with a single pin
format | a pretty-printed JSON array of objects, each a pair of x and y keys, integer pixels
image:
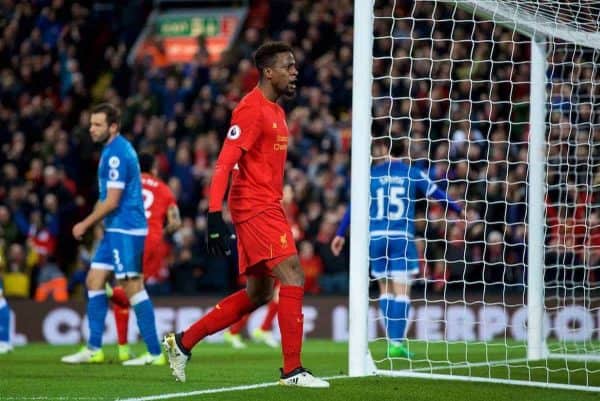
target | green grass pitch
[{"x": 34, "y": 372}]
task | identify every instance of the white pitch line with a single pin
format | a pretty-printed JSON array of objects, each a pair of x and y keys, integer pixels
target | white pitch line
[{"x": 212, "y": 391}]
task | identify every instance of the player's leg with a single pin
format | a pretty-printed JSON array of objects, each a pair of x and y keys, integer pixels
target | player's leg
[
  {"x": 121, "y": 313},
  {"x": 5, "y": 345},
  {"x": 129, "y": 276},
  {"x": 259, "y": 290},
  {"x": 266, "y": 241},
  {"x": 144, "y": 312},
  {"x": 291, "y": 320},
  {"x": 225, "y": 313},
  {"x": 272, "y": 308},
  {"x": 263, "y": 334},
  {"x": 400, "y": 308},
  {"x": 403, "y": 265},
  {"x": 386, "y": 296},
  {"x": 233, "y": 334},
  {"x": 97, "y": 308},
  {"x": 291, "y": 324},
  {"x": 151, "y": 261},
  {"x": 229, "y": 310},
  {"x": 238, "y": 326},
  {"x": 380, "y": 265},
  {"x": 395, "y": 305}
]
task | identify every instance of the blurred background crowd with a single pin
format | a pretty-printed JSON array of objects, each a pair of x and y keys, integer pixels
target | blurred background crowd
[{"x": 59, "y": 57}]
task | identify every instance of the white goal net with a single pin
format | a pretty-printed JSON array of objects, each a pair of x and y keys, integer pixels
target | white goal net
[{"x": 496, "y": 102}]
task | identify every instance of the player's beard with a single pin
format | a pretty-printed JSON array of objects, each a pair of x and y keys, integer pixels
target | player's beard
[
  {"x": 290, "y": 92},
  {"x": 102, "y": 139}
]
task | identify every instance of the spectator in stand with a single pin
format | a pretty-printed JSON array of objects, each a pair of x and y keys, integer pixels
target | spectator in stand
[
  {"x": 494, "y": 264},
  {"x": 312, "y": 265},
  {"x": 188, "y": 267},
  {"x": 52, "y": 282},
  {"x": 8, "y": 229},
  {"x": 17, "y": 273},
  {"x": 566, "y": 236},
  {"x": 456, "y": 256},
  {"x": 334, "y": 279}
]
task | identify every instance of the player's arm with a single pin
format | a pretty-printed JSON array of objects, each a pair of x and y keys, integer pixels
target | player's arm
[
  {"x": 116, "y": 178},
  {"x": 443, "y": 197},
  {"x": 338, "y": 242},
  {"x": 433, "y": 191},
  {"x": 241, "y": 136},
  {"x": 173, "y": 219},
  {"x": 228, "y": 158},
  {"x": 217, "y": 232},
  {"x": 101, "y": 210}
]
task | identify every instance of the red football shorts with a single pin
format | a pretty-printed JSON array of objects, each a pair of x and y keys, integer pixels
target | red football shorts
[
  {"x": 264, "y": 241},
  {"x": 155, "y": 254}
]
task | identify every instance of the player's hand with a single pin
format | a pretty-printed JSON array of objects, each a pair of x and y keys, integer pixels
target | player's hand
[
  {"x": 217, "y": 235},
  {"x": 337, "y": 244},
  {"x": 79, "y": 230}
]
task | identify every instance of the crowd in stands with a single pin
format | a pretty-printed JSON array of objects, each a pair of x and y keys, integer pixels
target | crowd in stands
[
  {"x": 461, "y": 91},
  {"x": 59, "y": 57}
]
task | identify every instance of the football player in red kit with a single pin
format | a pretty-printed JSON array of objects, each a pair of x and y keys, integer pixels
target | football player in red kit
[{"x": 256, "y": 146}]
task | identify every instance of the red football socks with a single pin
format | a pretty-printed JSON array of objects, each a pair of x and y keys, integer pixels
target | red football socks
[
  {"x": 224, "y": 314},
  {"x": 267, "y": 324},
  {"x": 291, "y": 325},
  {"x": 119, "y": 297},
  {"x": 122, "y": 322},
  {"x": 121, "y": 312},
  {"x": 237, "y": 327}
]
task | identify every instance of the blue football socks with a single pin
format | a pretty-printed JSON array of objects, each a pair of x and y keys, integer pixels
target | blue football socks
[
  {"x": 400, "y": 307},
  {"x": 4, "y": 321},
  {"x": 97, "y": 308},
  {"x": 144, "y": 312},
  {"x": 385, "y": 306}
]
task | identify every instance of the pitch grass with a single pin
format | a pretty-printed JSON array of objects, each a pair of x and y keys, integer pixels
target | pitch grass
[
  {"x": 470, "y": 359},
  {"x": 34, "y": 372}
]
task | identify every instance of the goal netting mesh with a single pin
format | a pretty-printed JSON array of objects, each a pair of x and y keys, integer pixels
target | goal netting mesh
[{"x": 452, "y": 81}]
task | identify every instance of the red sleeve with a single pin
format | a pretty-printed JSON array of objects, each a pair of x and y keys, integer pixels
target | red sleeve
[
  {"x": 245, "y": 126},
  {"x": 243, "y": 133},
  {"x": 228, "y": 157},
  {"x": 169, "y": 197}
]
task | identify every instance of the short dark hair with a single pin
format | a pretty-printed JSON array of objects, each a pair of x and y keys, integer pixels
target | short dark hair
[
  {"x": 266, "y": 54},
  {"x": 113, "y": 115},
  {"x": 396, "y": 147},
  {"x": 146, "y": 162}
]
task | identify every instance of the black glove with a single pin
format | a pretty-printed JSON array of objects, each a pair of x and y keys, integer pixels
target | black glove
[{"x": 217, "y": 233}]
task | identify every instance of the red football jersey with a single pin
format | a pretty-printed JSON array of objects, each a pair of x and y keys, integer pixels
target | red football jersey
[
  {"x": 157, "y": 200},
  {"x": 259, "y": 128}
]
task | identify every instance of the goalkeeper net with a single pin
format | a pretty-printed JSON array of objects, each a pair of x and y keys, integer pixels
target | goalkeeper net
[{"x": 496, "y": 101}]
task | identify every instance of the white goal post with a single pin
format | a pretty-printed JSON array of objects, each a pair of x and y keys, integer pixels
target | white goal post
[
  {"x": 361, "y": 163},
  {"x": 562, "y": 36}
]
